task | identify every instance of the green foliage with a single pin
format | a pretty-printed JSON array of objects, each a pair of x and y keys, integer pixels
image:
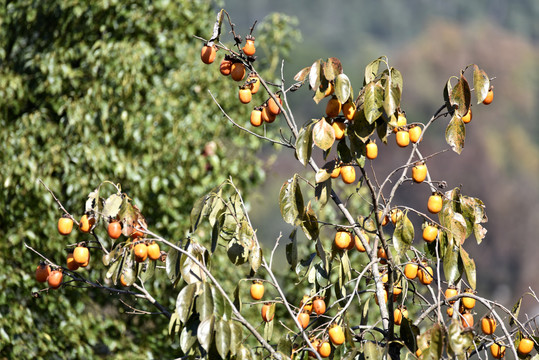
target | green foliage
[{"x": 95, "y": 90}]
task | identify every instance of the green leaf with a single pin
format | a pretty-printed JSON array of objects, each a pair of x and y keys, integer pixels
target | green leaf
[
  {"x": 236, "y": 336},
  {"x": 196, "y": 212},
  {"x": 315, "y": 74},
  {"x": 220, "y": 308},
  {"x": 455, "y": 133},
  {"x": 381, "y": 130},
  {"x": 310, "y": 223},
  {"x": 268, "y": 330},
  {"x": 204, "y": 302},
  {"x": 292, "y": 250},
  {"x": 431, "y": 342},
  {"x": 222, "y": 337},
  {"x": 360, "y": 128},
  {"x": 205, "y": 332},
  {"x": 285, "y": 346},
  {"x": 409, "y": 333},
  {"x": 146, "y": 270},
  {"x": 93, "y": 204},
  {"x": 461, "y": 96},
  {"x": 459, "y": 342},
  {"x": 255, "y": 258},
  {"x": 237, "y": 252},
  {"x": 403, "y": 235},
  {"x": 452, "y": 266},
  {"x": 343, "y": 88},
  {"x": 344, "y": 152},
  {"x": 447, "y": 97},
  {"x": 515, "y": 311},
  {"x": 371, "y": 70},
  {"x": 270, "y": 312},
  {"x": 481, "y": 84},
  {"x": 392, "y": 95},
  {"x": 237, "y": 297},
  {"x": 469, "y": 267},
  {"x": 332, "y": 68},
  {"x": 291, "y": 202},
  {"x": 373, "y": 102},
  {"x": 185, "y": 301},
  {"x": 372, "y": 351},
  {"x": 112, "y": 206},
  {"x": 244, "y": 353},
  {"x": 188, "y": 336},
  {"x": 302, "y": 74},
  {"x": 323, "y": 134},
  {"x": 322, "y": 192},
  {"x": 304, "y": 144},
  {"x": 173, "y": 324}
]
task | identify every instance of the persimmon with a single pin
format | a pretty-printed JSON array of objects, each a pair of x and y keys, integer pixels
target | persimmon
[
  {"x": 435, "y": 203},
  {"x": 141, "y": 252},
  {"x": 42, "y": 272},
  {"x": 267, "y": 116},
  {"x": 273, "y": 107},
  {"x": 468, "y": 302},
  {"x": 86, "y": 223},
  {"x": 81, "y": 255},
  {"x": 324, "y": 349},
  {"x": 415, "y": 133},
  {"x": 382, "y": 255},
  {"x": 450, "y": 311},
  {"x": 425, "y": 275},
  {"x": 257, "y": 290},
  {"x": 398, "y": 314},
  {"x": 401, "y": 121},
  {"x": 306, "y": 304},
  {"x": 396, "y": 215},
  {"x": 237, "y": 71},
  {"x": 267, "y": 315},
  {"x": 249, "y": 48},
  {"x": 339, "y": 128},
  {"x": 71, "y": 263},
  {"x": 488, "y": 325},
  {"x": 333, "y": 107},
  {"x": 208, "y": 53},
  {"x": 371, "y": 150},
  {"x": 254, "y": 81},
  {"x": 348, "y": 174},
  {"x": 319, "y": 305},
  {"x": 343, "y": 239},
  {"x": 384, "y": 221},
  {"x": 256, "y": 117},
  {"x": 525, "y": 346},
  {"x": 397, "y": 289},
  {"x": 419, "y": 172},
  {"x": 430, "y": 233},
  {"x": 410, "y": 270},
  {"x": 245, "y": 95},
  {"x": 450, "y": 292},
  {"x": 385, "y": 278},
  {"x": 303, "y": 319},
  {"x": 490, "y": 96},
  {"x": 55, "y": 279},
  {"x": 336, "y": 172},
  {"x": 225, "y": 67},
  {"x": 349, "y": 110},
  {"x": 497, "y": 350},
  {"x": 359, "y": 244},
  {"x": 403, "y": 138},
  {"x": 122, "y": 280},
  {"x": 468, "y": 117},
  {"x": 154, "y": 251},
  {"x": 336, "y": 334},
  {"x": 114, "y": 229},
  {"x": 467, "y": 319},
  {"x": 315, "y": 343},
  {"x": 65, "y": 225},
  {"x": 330, "y": 89}
]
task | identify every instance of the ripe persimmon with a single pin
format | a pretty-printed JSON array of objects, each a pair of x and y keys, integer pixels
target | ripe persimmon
[
  {"x": 333, "y": 107},
  {"x": 401, "y": 121},
  {"x": 267, "y": 116},
  {"x": 303, "y": 319},
  {"x": 488, "y": 325},
  {"x": 306, "y": 304},
  {"x": 249, "y": 48},
  {"x": 425, "y": 275},
  {"x": 403, "y": 138},
  {"x": 468, "y": 117},
  {"x": 65, "y": 225},
  {"x": 55, "y": 279},
  {"x": 71, "y": 263},
  {"x": 410, "y": 270},
  {"x": 42, "y": 272},
  {"x": 419, "y": 172},
  {"x": 382, "y": 255},
  {"x": 525, "y": 346},
  {"x": 497, "y": 350},
  {"x": 336, "y": 334},
  {"x": 396, "y": 215},
  {"x": 237, "y": 71},
  {"x": 266, "y": 315},
  {"x": 348, "y": 174},
  {"x": 336, "y": 171},
  {"x": 81, "y": 255},
  {"x": 359, "y": 244},
  {"x": 225, "y": 67},
  {"x": 339, "y": 128},
  {"x": 398, "y": 314},
  {"x": 349, "y": 110},
  {"x": 371, "y": 150},
  {"x": 114, "y": 229},
  {"x": 86, "y": 223},
  {"x": 383, "y": 221},
  {"x": 154, "y": 251},
  {"x": 324, "y": 349},
  {"x": 450, "y": 311},
  {"x": 319, "y": 305},
  {"x": 343, "y": 239},
  {"x": 430, "y": 233},
  {"x": 257, "y": 290},
  {"x": 435, "y": 203},
  {"x": 273, "y": 107},
  {"x": 141, "y": 252},
  {"x": 254, "y": 81},
  {"x": 467, "y": 301},
  {"x": 415, "y": 133},
  {"x": 256, "y": 117},
  {"x": 122, "y": 280},
  {"x": 208, "y": 53},
  {"x": 490, "y": 96},
  {"x": 467, "y": 319},
  {"x": 245, "y": 95},
  {"x": 450, "y": 292}
]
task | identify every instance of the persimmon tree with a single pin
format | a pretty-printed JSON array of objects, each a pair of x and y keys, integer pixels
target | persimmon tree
[{"x": 376, "y": 288}]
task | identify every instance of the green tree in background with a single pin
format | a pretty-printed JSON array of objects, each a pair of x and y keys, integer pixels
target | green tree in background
[{"x": 95, "y": 90}]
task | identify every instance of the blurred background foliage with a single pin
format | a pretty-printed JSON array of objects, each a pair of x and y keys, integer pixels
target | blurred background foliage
[
  {"x": 95, "y": 90},
  {"x": 105, "y": 90}
]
